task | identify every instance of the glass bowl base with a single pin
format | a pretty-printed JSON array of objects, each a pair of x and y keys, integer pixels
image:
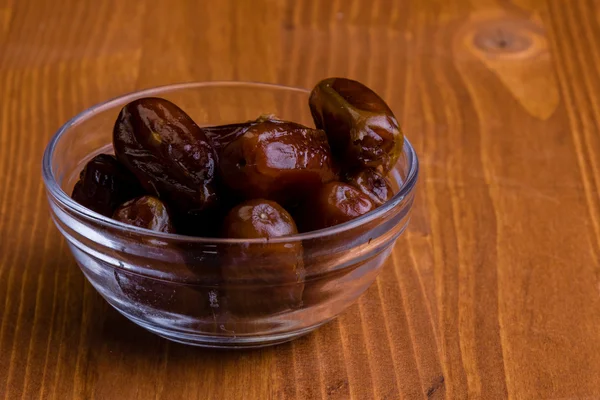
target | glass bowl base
[{"x": 224, "y": 342}]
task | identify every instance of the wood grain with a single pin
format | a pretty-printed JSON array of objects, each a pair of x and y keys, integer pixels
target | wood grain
[{"x": 494, "y": 292}]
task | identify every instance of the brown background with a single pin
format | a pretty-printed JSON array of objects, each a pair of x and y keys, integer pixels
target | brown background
[{"x": 494, "y": 292}]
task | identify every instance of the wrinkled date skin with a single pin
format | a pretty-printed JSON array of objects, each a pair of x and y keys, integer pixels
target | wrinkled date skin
[
  {"x": 278, "y": 265},
  {"x": 145, "y": 212},
  {"x": 361, "y": 128},
  {"x": 334, "y": 203},
  {"x": 277, "y": 160},
  {"x": 373, "y": 184},
  {"x": 104, "y": 184},
  {"x": 168, "y": 153}
]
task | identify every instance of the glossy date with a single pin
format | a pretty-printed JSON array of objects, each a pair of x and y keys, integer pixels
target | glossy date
[
  {"x": 277, "y": 160},
  {"x": 362, "y": 130},
  {"x": 145, "y": 212},
  {"x": 168, "y": 153},
  {"x": 372, "y": 183},
  {"x": 334, "y": 203}
]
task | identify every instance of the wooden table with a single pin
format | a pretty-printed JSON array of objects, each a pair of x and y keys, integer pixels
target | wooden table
[{"x": 494, "y": 291}]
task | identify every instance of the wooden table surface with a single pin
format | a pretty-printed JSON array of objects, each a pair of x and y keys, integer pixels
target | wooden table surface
[{"x": 493, "y": 292}]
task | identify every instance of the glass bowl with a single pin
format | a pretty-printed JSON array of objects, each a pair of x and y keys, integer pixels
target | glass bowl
[{"x": 171, "y": 284}]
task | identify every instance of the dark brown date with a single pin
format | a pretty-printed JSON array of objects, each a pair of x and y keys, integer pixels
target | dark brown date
[
  {"x": 145, "y": 212},
  {"x": 277, "y": 160},
  {"x": 373, "y": 184},
  {"x": 168, "y": 153},
  {"x": 361, "y": 128},
  {"x": 104, "y": 184},
  {"x": 334, "y": 203},
  {"x": 262, "y": 278}
]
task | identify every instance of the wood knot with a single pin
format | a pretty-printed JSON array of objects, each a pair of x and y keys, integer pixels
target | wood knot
[
  {"x": 501, "y": 39},
  {"x": 504, "y": 36}
]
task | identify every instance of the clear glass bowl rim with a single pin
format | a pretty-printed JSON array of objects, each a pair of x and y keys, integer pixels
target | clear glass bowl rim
[{"x": 94, "y": 218}]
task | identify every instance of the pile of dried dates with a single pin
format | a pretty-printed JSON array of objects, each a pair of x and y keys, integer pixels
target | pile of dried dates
[{"x": 256, "y": 179}]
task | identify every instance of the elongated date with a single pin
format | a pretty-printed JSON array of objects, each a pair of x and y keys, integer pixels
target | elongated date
[
  {"x": 168, "y": 153},
  {"x": 362, "y": 130}
]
